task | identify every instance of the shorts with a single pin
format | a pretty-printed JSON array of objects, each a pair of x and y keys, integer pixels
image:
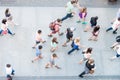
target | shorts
[
  {"x": 38, "y": 54},
  {"x": 68, "y": 40},
  {"x": 92, "y": 25},
  {"x": 37, "y": 42},
  {"x": 94, "y": 34}
]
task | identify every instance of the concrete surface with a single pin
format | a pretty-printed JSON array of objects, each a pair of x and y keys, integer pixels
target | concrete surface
[
  {"x": 59, "y": 3},
  {"x": 17, "y": 50}
]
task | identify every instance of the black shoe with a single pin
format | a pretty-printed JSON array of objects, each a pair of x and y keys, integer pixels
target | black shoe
[
  {"x": 114, "y": 32},
  {"x": 81, "y": 76},
  {"x": 13, "y": 34}
]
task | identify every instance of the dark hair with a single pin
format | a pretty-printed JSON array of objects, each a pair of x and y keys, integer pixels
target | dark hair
[
  {"x": 89, "y": 50},
  {"x": 54, "y": 40},
  {"x": 59, "y": 20},
  {"x": 96, "y": 28},
  {"x": 68, "y": 30},
  {"x": 4, "y": 21},
  {"x": 84, "y": 9},
  {"x": 6, "y": 11},
  {"x": 54, "y": 55},
  {"x": 39, "y": 47},
  {"x": 39, "y": 31},
  {"x": 8, "y": 65},
  {"x": 119, "y": 19},
  {"x": 72, "y": 2},
  {"x": 96, "y": 17}
]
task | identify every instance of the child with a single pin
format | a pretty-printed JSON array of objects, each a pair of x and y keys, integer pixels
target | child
[
  {"x": 51, "y": 63},
  {"x": 87, "y": 54},
  {"x": 69, "y": 36},
  {"x": 9, "y": 71},
  {"x": 95, "y": 33},
  {"x": 93, "y": 22},
  {"x": 38, "y": 53},
  {"x": 115, "y": 26},
  {"x": 56, "y": 28},
  {"x": 82, "y": 15},
  {"x": 38, "y": 38},
  {"x": 54, "y": 44}
]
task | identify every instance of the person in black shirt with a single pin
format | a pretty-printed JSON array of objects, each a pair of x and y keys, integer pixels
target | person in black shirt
[
  {"x": 93, "y": 22},
  {"x": 69, "y": 36},
  {"x": 89, "y": 68}
]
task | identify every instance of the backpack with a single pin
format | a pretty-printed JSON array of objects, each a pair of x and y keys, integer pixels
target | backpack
[{"x": 52, "y": 25}]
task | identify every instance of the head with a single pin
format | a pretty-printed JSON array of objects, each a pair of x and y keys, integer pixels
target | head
[
  {"x": 89, "y": 50},
  {"x": 91, "y": 61},
  {"x": 96, "y": 28},
  {"x": 96, "y": 17},
  {"x": 4, "y": 21},
  {"x": 59, "y": 20},
  {"x": 54, "y": 40},
  {"x": 73, "y": 2},
  {"x": 40, "y": 47},
  {"x": 54, "y": 55},
  {"x": 119, "y": 19},
  {"x": 7, "y": 10},
  {"x": 84, "y": 9},
  {"x": 68, "y": 30},
  {"x": 77, "y": 40},
  {"x": 39, "y": 31},
  {"x": 8, "y": 65}
]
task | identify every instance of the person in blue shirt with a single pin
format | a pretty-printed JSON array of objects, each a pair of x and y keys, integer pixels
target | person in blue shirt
[{"x": 38, "y": 54}]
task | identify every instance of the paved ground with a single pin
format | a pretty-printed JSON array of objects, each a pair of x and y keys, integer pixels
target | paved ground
[
  {"x": 17, "y": 50},
  {"x": 58, "y": 3}
]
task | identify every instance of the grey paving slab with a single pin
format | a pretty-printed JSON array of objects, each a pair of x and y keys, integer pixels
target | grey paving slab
[
  {"x": 58, "y": 3},
  {"x": 17, "y": 50}
]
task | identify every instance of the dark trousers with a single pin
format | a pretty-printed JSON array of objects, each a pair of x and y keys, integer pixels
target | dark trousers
[
  {"x": 111, "y": 29},
  {"x": 82, "y": 74},
  {"x": 7, "y": 30},
  {"x": 73, "y": 49},
  {"x": 67, "y": 16}
]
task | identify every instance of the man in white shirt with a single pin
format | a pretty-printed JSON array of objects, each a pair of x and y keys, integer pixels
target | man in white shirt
[{"x": 115, "y": 26}]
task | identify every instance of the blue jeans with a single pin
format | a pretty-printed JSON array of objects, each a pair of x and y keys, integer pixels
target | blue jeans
[
  {"x": 7, "y": 30},
  {"x": 69, "y": 15},
  {"x": 73, "y": 49}
]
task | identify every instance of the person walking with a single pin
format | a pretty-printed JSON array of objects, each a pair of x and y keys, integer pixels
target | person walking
[
  {"x": 115, "y": 26},
  {"x": 117, "y": 49},
  {"x": 87, "y": 54},
  {"x": 95, "y": 33},
  {"x": 10, "y": 72},
  {"x": 52, "y": 63},
  {"x": 116, "y": 43},
  {"x": 93, "y": 23},
  {"x": 82, "y": 15},
  {"x": 89, "y": 68},
  {"x": 5, "y": 29},
  {"x": 69, "y": 36},
  {"x": 69, "y": 10},
  {"x": 75, "y": 45},
  {"x": 38, "y": 38},
  {"x": 55, "y": 27},
  {"x": 9, "y": 17},
  {"x": 54, "y": 44},
  {"x": 38, "y": 54}
]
